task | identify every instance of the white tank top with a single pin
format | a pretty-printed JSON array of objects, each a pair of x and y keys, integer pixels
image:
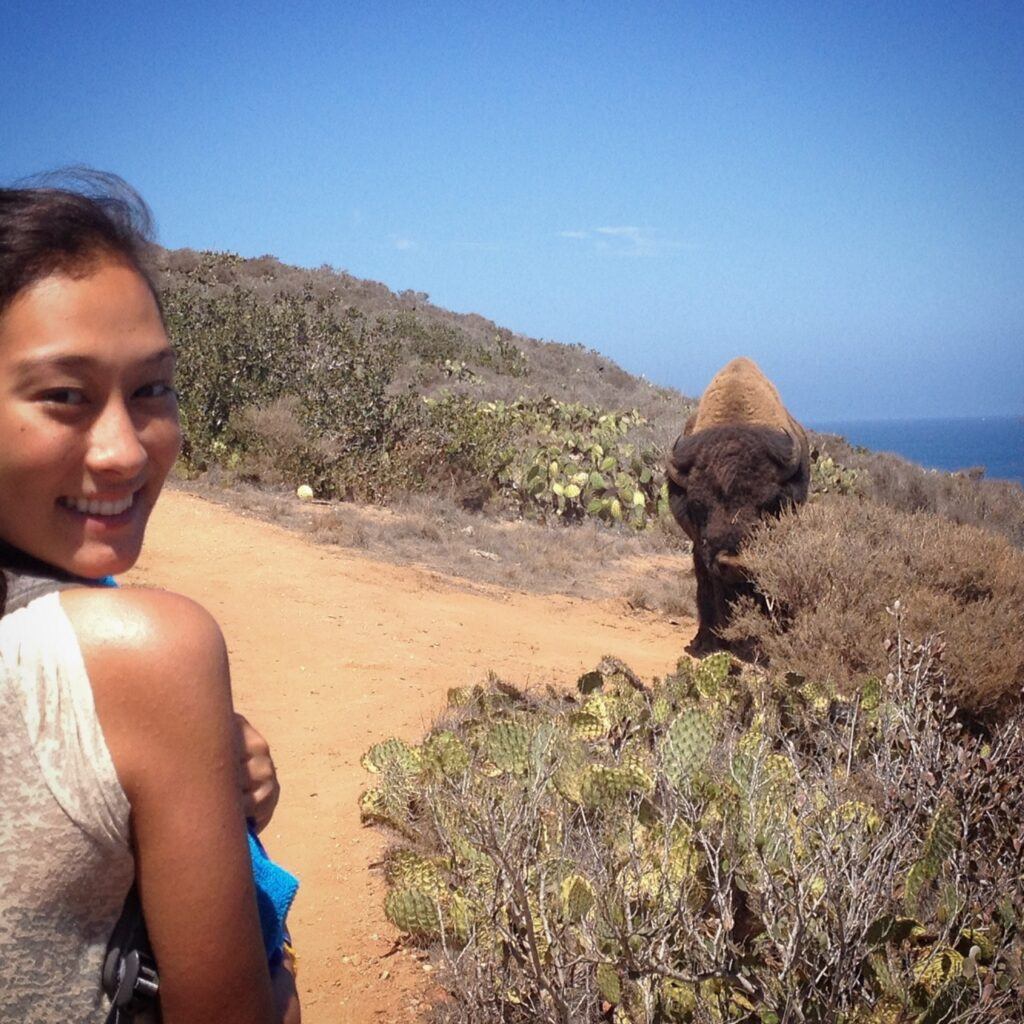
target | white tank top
[{"x": 65, "y": 858}]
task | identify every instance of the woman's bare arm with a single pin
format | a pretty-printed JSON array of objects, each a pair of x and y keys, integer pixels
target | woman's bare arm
[{"x": 159, "y": 674}]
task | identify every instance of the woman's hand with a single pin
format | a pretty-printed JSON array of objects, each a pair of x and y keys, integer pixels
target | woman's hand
[
  {"x": 286, "y": 995},
  {"x": 256, "y": 774}
]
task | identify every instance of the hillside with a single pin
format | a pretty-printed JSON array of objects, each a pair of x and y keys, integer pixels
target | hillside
[
  {"x": 461, "y": 352},
  {"x": 291, "y": 375}
]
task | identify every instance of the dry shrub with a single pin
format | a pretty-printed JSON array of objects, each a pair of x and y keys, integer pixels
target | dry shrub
[
  {"x": 890, "y": 480},
  {"x": 336, "y": 527},
  {"x": 277, "y": 425},
  {"x": 829, "y": 572}
]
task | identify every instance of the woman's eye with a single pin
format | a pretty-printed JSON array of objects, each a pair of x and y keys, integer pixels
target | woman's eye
[
  {"x": 65, "y": 396},
  {"x": 158, "y": 389}
]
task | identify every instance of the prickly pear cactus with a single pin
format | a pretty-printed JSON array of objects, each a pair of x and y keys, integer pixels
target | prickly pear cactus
[
  {"x": 613, "y": 847},
  {"x": 406, "y": 869},
  {"x": 829, "y": 477},
  {"x": 444, "y": 752},
  {"x": 607, "y": 787},
  {"x": 710, "y": 675},
  {"x": 577, "y": 897},
  {"x": 941, "y": 840}
]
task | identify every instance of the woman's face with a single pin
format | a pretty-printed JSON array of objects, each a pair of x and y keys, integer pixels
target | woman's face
[{"x": 88, "y": 418}]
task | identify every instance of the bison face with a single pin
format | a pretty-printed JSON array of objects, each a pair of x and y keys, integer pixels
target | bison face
[{"x": 724, "y": 480}]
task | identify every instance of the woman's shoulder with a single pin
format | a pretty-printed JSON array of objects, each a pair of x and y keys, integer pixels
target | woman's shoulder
[
  {"x": 138, "y": 620},
  {"x": 157, "y": 664}
]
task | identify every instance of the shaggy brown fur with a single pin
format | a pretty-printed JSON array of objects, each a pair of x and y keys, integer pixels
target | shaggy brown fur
[{"x": 741, "y": 457}]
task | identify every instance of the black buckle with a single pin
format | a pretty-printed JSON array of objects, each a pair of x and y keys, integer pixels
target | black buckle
[
  {"x": 129, "y": 971},
  {"x": 131, "y": 980}
]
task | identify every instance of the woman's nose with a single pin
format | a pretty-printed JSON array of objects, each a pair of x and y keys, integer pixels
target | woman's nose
[{"x": 115, "y": 447}]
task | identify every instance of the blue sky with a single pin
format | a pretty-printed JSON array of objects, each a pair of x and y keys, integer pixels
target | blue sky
[{"x": 834, "y": 189}]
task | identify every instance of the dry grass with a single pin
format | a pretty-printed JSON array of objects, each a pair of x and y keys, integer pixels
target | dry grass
[
  {"x": 830, "y": 572},
  {"x": 652, "y": 570}
]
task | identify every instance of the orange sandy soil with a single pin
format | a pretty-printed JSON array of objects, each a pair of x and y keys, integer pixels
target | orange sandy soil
[{"x": 331, "y": 652}]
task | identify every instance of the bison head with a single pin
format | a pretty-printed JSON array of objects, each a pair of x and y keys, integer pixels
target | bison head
[{"x": 724, "y": 480}]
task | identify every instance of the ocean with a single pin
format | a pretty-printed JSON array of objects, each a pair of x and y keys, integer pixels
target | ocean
[{"x": 995, "y": 442}]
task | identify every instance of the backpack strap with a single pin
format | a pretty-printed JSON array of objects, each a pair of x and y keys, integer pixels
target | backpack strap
[
  {"x": 27, "y": 578},
  {"x": 23, "y": 589}
]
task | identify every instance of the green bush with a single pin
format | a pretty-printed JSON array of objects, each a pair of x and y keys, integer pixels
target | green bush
[
  {"x": 432, "y": 343},
  {"x": 237, "y": 353},
  {"x": 290, "y": 390},
  {"x": 716, "y": 847}
]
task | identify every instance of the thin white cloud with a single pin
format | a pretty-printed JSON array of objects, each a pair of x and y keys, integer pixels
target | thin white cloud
[
  {"x": 404, "y": 244},
  {"x": 627, "y": 240}
]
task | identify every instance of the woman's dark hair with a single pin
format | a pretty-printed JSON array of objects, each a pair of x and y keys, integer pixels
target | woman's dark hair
[{"x": 63, "y": 222}]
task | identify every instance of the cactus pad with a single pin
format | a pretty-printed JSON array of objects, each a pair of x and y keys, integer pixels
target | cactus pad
[
  {"x": 661, "y": 710},
  {"x": 608, "y": 984},
  {"x": 937, "y": 968},
  {"x": 605, "y": 787},
  {"x": 585, "y": 726},
  {"x": 405, "y": 869},
  {"x": 414, "y": 912},
  {"x": 710, "y": 674},
  {"x": 577, "y": 898},
  {"x": 567, "y": 777},
  {"x": 507, "y": 746},
  {"x": 391, "y": 753},
  {"x": 462, "y": 696},
  {"x": 686, "y": 745},
  {"x": 446, "y": 752},
  {"x": 387, "y": 805},
  {"x": 600, "y": 707}
]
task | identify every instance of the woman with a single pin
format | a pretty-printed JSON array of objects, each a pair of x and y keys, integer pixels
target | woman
[{"x": 119, "y": 739}]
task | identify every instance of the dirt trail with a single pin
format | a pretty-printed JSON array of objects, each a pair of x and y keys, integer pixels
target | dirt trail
[{"x": 332, "y": 652}]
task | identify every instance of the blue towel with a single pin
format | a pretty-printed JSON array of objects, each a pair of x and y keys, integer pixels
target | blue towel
[{"x": 275, "y": 890}]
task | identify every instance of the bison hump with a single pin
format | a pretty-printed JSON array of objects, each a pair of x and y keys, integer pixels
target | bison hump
[{"x": 741, "y": 395}]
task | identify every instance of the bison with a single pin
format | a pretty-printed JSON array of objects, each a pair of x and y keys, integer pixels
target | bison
[{"x": 741, "y": 457}]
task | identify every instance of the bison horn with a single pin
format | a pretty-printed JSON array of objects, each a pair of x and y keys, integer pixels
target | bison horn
[
  {"x": 681, "y": 459},
  {"x": 788, "y": 453}
]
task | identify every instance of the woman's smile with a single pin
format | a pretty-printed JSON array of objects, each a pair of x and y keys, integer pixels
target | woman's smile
[{"x": 107, "y": 511}]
